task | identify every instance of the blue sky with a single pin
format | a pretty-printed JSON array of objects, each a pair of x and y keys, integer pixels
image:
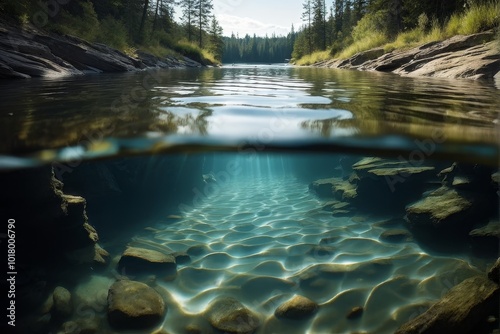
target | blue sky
[{"x": 258, "y": 16}]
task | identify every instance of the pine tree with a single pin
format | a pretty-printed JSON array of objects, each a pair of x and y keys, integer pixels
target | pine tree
[
  {"x": 216, "y": 41},
  {"x": 188, "y": 12},
  {"x": 318, "y": 25},
  {"x": 307, "y": 17},
  {"x": 202, "y": 14}
]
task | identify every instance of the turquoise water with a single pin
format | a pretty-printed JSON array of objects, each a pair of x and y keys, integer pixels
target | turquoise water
[{"x": 219, "y": 164}]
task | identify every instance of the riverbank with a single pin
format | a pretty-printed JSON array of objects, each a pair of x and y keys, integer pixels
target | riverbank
[
  {"x": 474, "y": 56},
  {"x": 27, "y": 53}
]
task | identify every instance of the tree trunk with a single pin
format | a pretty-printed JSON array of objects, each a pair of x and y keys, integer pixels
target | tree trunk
[
  {"x": 144, "y": 16},
  {"x": 200, "y": 16},
  {"x": 156, "y": 14}
]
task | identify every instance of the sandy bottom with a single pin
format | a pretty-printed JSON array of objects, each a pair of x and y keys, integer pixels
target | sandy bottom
[{"x": 263, "y": 242}]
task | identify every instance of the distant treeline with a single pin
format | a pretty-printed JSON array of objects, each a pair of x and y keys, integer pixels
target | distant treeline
[{"x": 274, "y": 49}]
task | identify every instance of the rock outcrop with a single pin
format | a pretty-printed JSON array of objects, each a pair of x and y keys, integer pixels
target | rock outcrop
[
  {"x": 134, "y": 305},
  {"x": 445, "y": 217},
  {"x": 26, "y": 53},
  {"x": 442, "y": 208},
  {"x": 474, "y": 56},
  {"x": 298, "y": 307},
  {"x": 230, "y": 316},
  {"x": 462, "y": 310},
  {"x": 375, "y": 185},
  {"x": 494, "y": 273}
]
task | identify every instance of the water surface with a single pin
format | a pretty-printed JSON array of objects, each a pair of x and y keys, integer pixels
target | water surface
[{"x": 237, "y": 105}]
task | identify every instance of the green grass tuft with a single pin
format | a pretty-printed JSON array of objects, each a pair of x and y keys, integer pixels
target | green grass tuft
[
  {"x": 369, "y": 42},
  {"x": 314, "y": 58}
]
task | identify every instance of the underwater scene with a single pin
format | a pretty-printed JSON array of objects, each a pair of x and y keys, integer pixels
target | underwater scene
[{"x": 250, "y": 199}]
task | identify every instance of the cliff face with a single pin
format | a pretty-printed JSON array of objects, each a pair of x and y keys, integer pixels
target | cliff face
[
  {"x": 54, "y": 238},
  {"x": 473, "y": 57},
  {"x": 31, "y": 53}
]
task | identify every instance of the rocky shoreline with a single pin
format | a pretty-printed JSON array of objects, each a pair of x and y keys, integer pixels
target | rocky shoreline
[
  {"x": 474, "y": 57},
  {"x": 27, "y": 53}
]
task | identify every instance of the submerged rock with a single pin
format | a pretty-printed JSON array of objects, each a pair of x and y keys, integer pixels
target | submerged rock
[
  {"x": 486, "y": 239},
  {"x": 355, "y": 313},
  {"x": 298, "y": 307},
  {"x": 444, "y": 206},
  {"x": 385, "y": 185},
  {"x": 492, "y": 230},
  {"x": 375, "y": 185},
  {"x": 494, "y": 273},
  {"x": 460, "y": 310},
  {"x": 323, "y": 188},
  {"x": 230, "y": 316},
  {"x": 63, "y": 306},
  {"x": 140, "y": 260},
  {"x": 134, "y": 305}
]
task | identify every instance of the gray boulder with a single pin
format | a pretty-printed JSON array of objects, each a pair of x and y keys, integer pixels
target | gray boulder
[
  {"x": 62, "y": 306},
  {"x": 230, "y": 316},
  {"x": 138, "y": 261},
  {"x": 134, "y": 305},
  {"x": 298, "y": 307}
]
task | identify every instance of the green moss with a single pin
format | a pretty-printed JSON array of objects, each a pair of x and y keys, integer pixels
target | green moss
[{"x": 441, "y": 204}]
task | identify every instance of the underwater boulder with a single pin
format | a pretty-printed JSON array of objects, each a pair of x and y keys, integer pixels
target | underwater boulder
[
  {"x": 486, "y": 239},
  {"x": 62, "y": 306},
  {"x": 142, "y": 261},
  {"x": 134, "y": 305},
  {"x": 334, "y": 187},
  {"x": 444, "y": 208},
  {"x": 298, "y": 307},
  {"x": 230, "y": 316},
  {"x": 322, "y": 188},
  {"x": 461, "y": 310},
  {"x": 389, "y": 185}
]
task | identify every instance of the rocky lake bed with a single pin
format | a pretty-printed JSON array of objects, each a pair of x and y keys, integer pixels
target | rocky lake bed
[{"x": 283, "y": 256}]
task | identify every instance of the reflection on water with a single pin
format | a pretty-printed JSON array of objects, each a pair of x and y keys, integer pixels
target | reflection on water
[{"x": 267, "y": 103}]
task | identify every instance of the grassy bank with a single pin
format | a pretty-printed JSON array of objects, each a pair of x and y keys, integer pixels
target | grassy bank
[{"x": 366, "y": 34}]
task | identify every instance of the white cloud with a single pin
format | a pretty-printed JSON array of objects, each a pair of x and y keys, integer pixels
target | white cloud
[{"x": 245, "y": 25}]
